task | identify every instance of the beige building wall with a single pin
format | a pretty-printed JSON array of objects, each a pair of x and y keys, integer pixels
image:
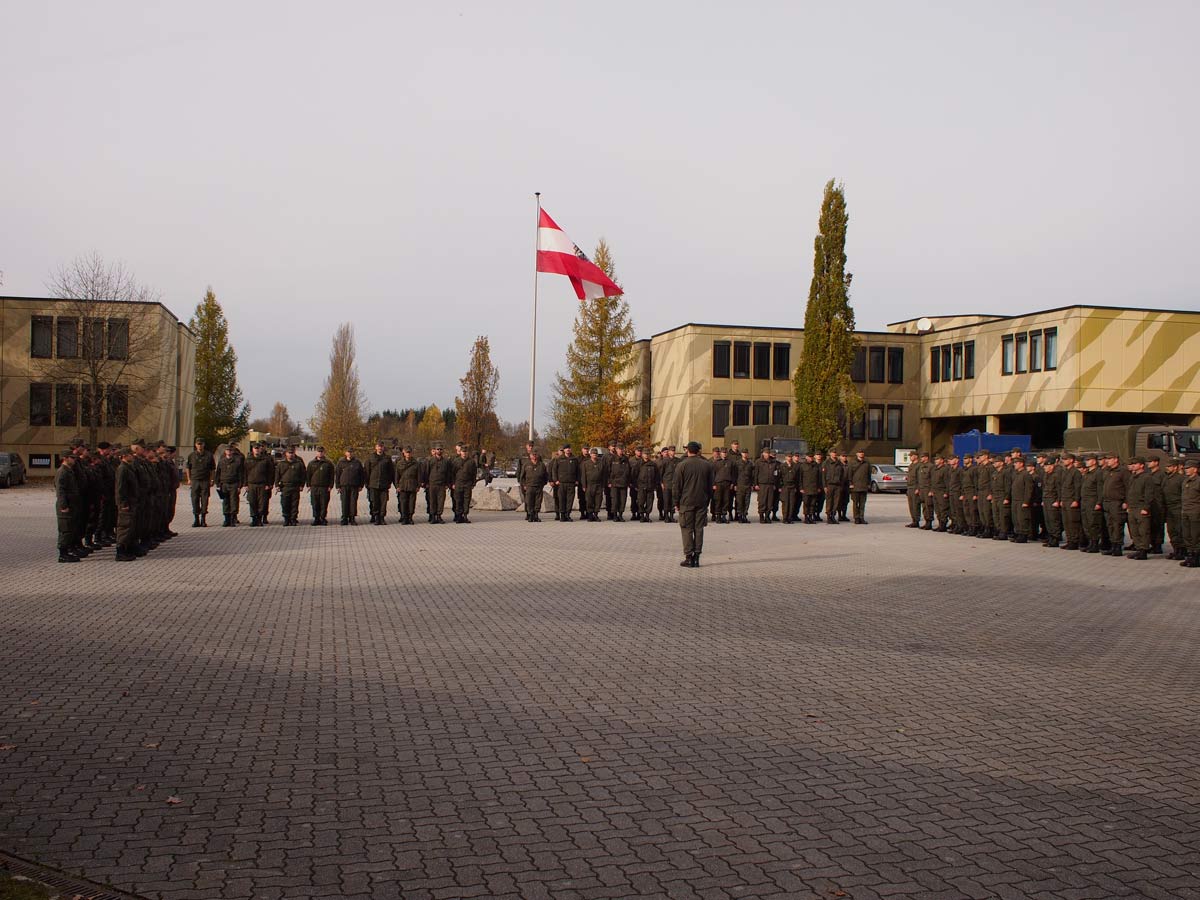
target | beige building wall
[{"x": 164, "y": 410}]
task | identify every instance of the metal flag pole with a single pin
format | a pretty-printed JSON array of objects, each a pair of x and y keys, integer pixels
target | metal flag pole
[{"x": 533, "y": 345}]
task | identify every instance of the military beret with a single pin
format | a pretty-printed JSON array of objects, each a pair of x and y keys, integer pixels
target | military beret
[
  {"x": 1139, "y": 459},
  {"x": 693, "y": 447},
  {"x": 1070, "y": 456},
  {"x": 103, "y": 445},
  {"x": 1191, "y": 463}
]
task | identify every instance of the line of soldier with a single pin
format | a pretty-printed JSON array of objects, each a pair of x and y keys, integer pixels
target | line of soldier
[
  {"x": 803, "y": 485},
  {"x": 1075, "y": 502},
  {"x": 114, "y": 495},
  {"x": 260, "y": 473}
]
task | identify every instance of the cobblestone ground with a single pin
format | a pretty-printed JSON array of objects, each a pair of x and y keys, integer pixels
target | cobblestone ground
[{"x": 525, "y": 711}]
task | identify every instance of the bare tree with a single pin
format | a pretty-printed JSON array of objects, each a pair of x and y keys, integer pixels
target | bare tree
[
  {"x": 108, "y": 341},
  {"x": 338, "y": 420},
  {"x": 281, "y": 424}
]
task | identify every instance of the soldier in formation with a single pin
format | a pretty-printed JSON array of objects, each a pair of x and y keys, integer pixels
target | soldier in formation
[
  {"x": 349, "y": 477},
  {"x": 200, "y": 468},
  {"x": 319, "y": 478}
]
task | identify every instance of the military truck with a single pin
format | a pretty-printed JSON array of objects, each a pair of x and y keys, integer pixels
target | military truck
[
  {"x": 780, "y": 438},
  {"x": 1163, "y": 441}
]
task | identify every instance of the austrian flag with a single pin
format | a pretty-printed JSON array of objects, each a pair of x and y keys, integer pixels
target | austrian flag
[{"x": 558, "y": 256}]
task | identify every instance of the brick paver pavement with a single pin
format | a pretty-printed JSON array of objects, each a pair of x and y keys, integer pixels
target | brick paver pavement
[{"x": 526, "y": 711}]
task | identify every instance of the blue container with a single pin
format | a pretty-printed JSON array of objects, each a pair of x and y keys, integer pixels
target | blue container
[{"x": 975, "y": 440}]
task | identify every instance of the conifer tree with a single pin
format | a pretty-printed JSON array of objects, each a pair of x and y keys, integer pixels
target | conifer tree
[
  {"x": 221, "y": 416},
  {"x": 590, "y": 403},
  {"x": 825, "y": 394},
  {"x": 338, "y": 420}
]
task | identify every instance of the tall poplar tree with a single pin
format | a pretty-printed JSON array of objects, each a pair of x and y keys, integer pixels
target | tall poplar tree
[
  {"x": 221, "y": 416},
  {"x": 476, "y": 408},
  {"x": 825, "y": 394},
  {"x": 591, "y": 399},
  {"x": 338, "y": 420}
]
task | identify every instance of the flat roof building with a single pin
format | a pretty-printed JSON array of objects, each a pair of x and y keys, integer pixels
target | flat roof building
[
  {"x": 99, "y": 370},
  {"x": 924, "y": 380}
]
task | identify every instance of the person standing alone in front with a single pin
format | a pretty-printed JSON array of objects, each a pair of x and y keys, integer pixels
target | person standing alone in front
[{"x": 693, "y": 486}]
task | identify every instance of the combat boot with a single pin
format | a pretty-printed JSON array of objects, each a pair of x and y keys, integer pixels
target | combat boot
[
  {"x": 195, "y": 521},
  {"x": 1191, "y": 561},
  {"x": 1138, "y": 554},
  {"x": 687, "y": 561}
]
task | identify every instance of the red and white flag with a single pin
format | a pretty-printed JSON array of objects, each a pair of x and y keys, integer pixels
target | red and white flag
[{"x": 557, "y": 255}]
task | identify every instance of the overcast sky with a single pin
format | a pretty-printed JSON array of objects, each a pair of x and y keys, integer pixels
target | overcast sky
[{"x": 376, "y": 163}]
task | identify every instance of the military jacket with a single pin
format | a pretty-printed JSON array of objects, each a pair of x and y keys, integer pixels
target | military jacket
[
  {"x": 789, "y": 474},
  {"x": 860, "y": 475},
  {"x": 810, "y": 477},
  {"x": 566, "y": 470},
  {"x": 745, "y": 473},
  {"x": 66, "y": 490},
  {"x": 666, "y": 470},
  {"x": 1116, "y": 484},
  {"x": 1137, "y": 493},
  {"x": 618, "y": 472},
  {"x": 722, "y": 471},
  {"x": 1091, "y": 487},
  {"x": 939, "y": 480},
  {"x": 291, "y": 474},
  {"x": 1189, "y": 501},
  {"x": 1072, "y": 486},
  {"x": 766, "y": 472},
  {"x": 966, "y": 481},
  {"x": 319, "y": 473},
  {"x": 126, "y": 487},
  {"x": 983, "y": 481},
  {"x": 466, "y": 472},
  {"x": 1022, "y": 490},
  {"x": 348, "y": 473},
  {"x": 200, "y": 466},
  {"x": 1052, "y": 486},
  {"x": 408, "y": 474},
  {"x": 379, "y": 471},
  {"x": 592, "y": 474},
  {"x": 648, "y": 479},
  {"x": 954, "y": 478},
  {"x": 534, "y": 475},
  {"x": 635, "y": 466},
  {"x": 1158, "y": 497},
  {"x": 832, "y": 472},
  {"x": 438, "y": 472},
  {"x": 692, "y": 482},
  {"x": 231, "y": 471},
  {"x": 1173, "y": 491},
  {"x": 260, "y": 470}
]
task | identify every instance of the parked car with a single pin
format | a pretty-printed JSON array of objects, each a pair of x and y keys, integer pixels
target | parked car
[
  {"x": 888, "y": 479},
  {"x": 12, "y": 469},
  {"x": 497, "y": 472},
  {"x": 510, "y": 471}
]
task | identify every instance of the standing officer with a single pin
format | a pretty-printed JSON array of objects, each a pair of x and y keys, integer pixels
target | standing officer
[
  {"x": 1138, "y": 501},
  {"x": 810, "y": 486},
  {"x": 319, "y": 476},
  {"x": 290, "y": 476},
  {"x": 126, "y": 496},
  {"x": 954, "y": 481},
  {"x": 667, "y": 503},
  {"x": 789, "y": 474},
  {"x": 408, "y": 482},
  {"x": 439, "y": 477},
  {"x": 1172, "y": 504},
  {"x": 1052, "y": 501},
  {"x": 466, "y": 473},
  {"x": 722, "y": 482},
  {"x": 983, "y": 494},
  {"x": 939, "y": 492},
  {"x": 349, "y": 476},
  {"x": 378, "y": 472},
  {"x": 522, "y": 460},
  {"x": 1091, "y": 501},
  {"x": 534, "y": 476},
  {"x": 766, "y": 482},
  {"x": 618, "y": 483},
  {"x": 67, "y": 500},
  {"x": 744, "y": 486},
  {"x": 860, "y": 484},
  {"x": 1158, "y": 503},
  {"x": 692, "y": 489},
  {"x": 914, "y": 490},
  {"x": 1072, "y": 501},
  {"x": 593, "y": 478},
  {"x": 635, "y": 468},
  {"x": 1022, "y": 496},
  {"x": 648, "y": 482},
  {"x": 832, "y": 473},
  {"x": 1116, "y": 486},
  {"x": 231, "y": 478},
  {"x": 200, "y": 466},
  {"x": 1189, "y": 512},
  {"x": 260, "y": 476},
  {"x": 566, "y": 476}
]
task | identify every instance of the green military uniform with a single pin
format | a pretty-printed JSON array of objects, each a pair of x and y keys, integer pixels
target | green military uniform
[
  {"x": 465, "y": 473},
  {"x": 1173, "y": 505},
  {"x": 1138, "y": 499},
  {"x": 1115, "y": 487},
  {"x": 200, "y": 467},
  {"x": 618, "y": 480},
  {"x": 766, "y": 482},
  {"x": 290, "y": 476},
  {"x": 1072, "y": 502},
  {"x": 126, "y": 497},
  {"x": 408, "y": 482},
  {"x": 1091, "y": 509},
  {"x": 1052, "y": 501},
  {"x": 692, "y": 487},
  {"x": 260, "y": 477},
  {"x": 67, "y": 500},
  {"x": 231, "y": 477},
  {"x": 1189, "y": 513},
  {"x": 534, "y": 476},
  {"x": 860, "y": 485},
  {"x": 789, "y": 477},
  {"x": 1021, "y": 494},
  {"x": 939, "y": 492},
  {"x": 378, "y": 474},
  {"x": 1158, "y": 504},
  {"x": 984, "y": 475},
  {"x": 648, "y": 482},
  {"x": 319, "y": 477},
  {"x": 594, "y": 479},
  {"x": 666, "y": 474},
  {"x": 566, "y": 477},
  {"x": 348, "y": 476}
]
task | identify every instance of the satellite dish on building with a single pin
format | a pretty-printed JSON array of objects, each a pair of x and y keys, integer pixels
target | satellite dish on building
[{"x": 924, "y": 325}]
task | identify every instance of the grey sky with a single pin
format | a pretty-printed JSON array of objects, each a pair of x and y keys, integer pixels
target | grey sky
[{"x": 375, "y": 163}]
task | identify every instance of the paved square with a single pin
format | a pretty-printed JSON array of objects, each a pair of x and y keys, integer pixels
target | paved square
[{"x": 561, "y": 711}]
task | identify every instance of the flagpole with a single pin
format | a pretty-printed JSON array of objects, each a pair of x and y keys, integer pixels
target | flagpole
[{"x": 533, "y": 344}]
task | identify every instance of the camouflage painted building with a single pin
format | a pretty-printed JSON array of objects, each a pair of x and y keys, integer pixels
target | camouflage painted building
[
  {"x": 924, "y": 380},
  {"x": 144, "y": 357}
]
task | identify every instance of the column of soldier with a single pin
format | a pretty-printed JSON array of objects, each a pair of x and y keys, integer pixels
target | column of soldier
[
  {"x": 115, "y": 495},
  {"x": 1082, "y": 502},
  {"x": 798, "y": 487}
]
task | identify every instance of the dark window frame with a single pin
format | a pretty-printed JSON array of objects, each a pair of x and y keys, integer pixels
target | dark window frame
[
  {"x": 722, "y": 359},
  {"x": 781, "y": 362},
  {"x": 760, "y": 412},
  {"x": 42, "y": 326},
  {"x": 776, "y": 407},
  {"x": 118, "y": 338},
  {"x": 895, "y": 365},
  {"x": 116, "y": 406},
  {"x": 42, "y": 405},
  {"x": 720, "y": 416},
  {"x": 877, "y": 353},
  {"x": 858, "y": 427},
  {"x": 66, "y": 405},
  {"x": 741, "y": 349},
  {"x": 1035, "y": 351},
  {"x": 1008, "y": 355},
  {"x": 875, "y": 425},
  {"x": 1050, "y": 360},
  {"x": 968, "y": 359},
  {"x": 741, "y": 411},
  {"x": 858, "y": 368},
  {"x": 1022, "y": 338},
  {"x": 898, "y": 435},
  {"x": 947, "y": 370},
  {"x": 761, "y": 359},
  {"x": 66, "y": 326},
  {"x": 92, "y": 343},
  {"x": 935, "y": 364},
  {"x": 956, "y": 365}
]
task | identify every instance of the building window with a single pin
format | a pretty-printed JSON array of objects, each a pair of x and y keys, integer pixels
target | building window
[
  {"x": 1007, "y": 355},
  {"x": 68, "y": 338},
  {"x": 741, "y": 359},
  {"x": 895, "y": 423},
  {"x": 762, "y": 360},
  {"x": 969, "y": 359},
  {"x": 780, "y": 412},
  {"x": 876, "y": 359},
  {"x": 958, "y": 362},
  {"x": 858, "y": 369},
  {"x": 118, "y": 406},
  {"x": 782, "y": 370},
  {"x": 741, "y": 413},
  {"x": 66, "y": 405},
  {"x": 1022, "y": 352},
  {"x": 858, "y": 428},
  {"x": 895, "y": 359},
  {"x": 39, "y": 403},
  {"x": 935, "y": 364},
  {"x": 762, "y": 412},
  {"x": 93, "y": 338},
  {"x": 1051, "y": 336},
  {"x": 118, "y": 339},
  {"x": 720, "y": 359},
  {"x": 720, "y": 417},
  {"x": 89, "y": 406},
  {"x": 41, "y": 337},
  {"x": 945, "y": 362},
  {"x": 874, "y": 423}
]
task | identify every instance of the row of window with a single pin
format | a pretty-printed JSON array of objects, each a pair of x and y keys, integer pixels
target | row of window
[
  {"x": 75, "y": 405},
  {"x": 748, "y": 412},
  {"x": 62, "y": 338},
  {"x": 1029, "y": 351},
  {"x": 878, "y": 365},
  {"x": 771, "y": 361},
  {"x": 879, "y": 423},
  {"x": 952, "y": 362}
]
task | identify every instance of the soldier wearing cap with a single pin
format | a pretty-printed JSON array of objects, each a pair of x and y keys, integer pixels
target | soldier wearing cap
[
  {"x": 1071, "y": 485},
  {"x": 1022, "y": 497},
  {"x": 260, "y": 477},
  {"x": 1138, "y": 500},
  {"x": 1091, "y": 504},
  {"x": 648, "y": 482},
  {"x": 1172, "y": 505},
  {"x": 1189, "y": 511},
  {"x": 985, "y": 525},
  {"x": 1115, "y": 493},
  {"x": 954, "y": 488},
  {"x": 231, "y": 478},
  {"x": 319, "y": 477},
  {"x": 67, "y": 500},
  {"x": 126, "y": 501},
  {"x": 378, "y": 474},
  {"x": 667, "y": 504},
  {"x": 408, "y": 482},
  {"x": 290, "y": 477},
  {"x": 566, "y": 477},
  {"x": 722, "y": 481},
  {"x": 349, "y": 476},
  {"x": 1052, "y": 500},
  {"x": 534, "y": 477},
  {"x": 438, "y": 477},
  {"x": 692, "y": 488},
  {"x": 789, "y": 475},
  {"x": 618, "y": 483},
  {"x": 592, "y": 478},
  {"x": 200, "y": 467},
  {"x": 939, "y": 492},
  {"x": 1158, "y": 503}
]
